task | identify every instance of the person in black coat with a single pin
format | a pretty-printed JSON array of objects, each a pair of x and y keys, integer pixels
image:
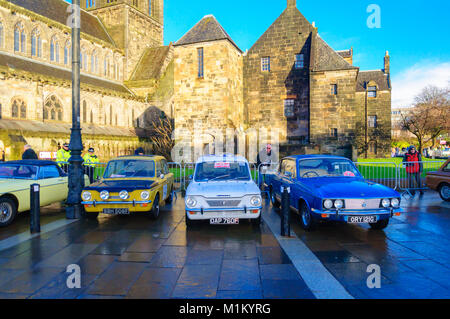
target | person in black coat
[{"x": 29, "y": 153}]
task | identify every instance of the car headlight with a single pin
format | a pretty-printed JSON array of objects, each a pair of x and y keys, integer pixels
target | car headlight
[
  {"x": 145, "y": 195},
  {"x": 256, "y": 200},
  {"x": 104, "y": 195},
  {"x": 395, "y": 202},
  {"x": 123, "y": 195},
  {"x": 190, "y": 202},
  {"x": 338, "y": 203},
  {"x": 385, "y": 203},
  {"x": 328, "y": 203},
  {"x": 86, "y": 196}
]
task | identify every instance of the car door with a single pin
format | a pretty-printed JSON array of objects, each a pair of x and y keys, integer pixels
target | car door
[
  {"x": 168, "y": 176},
  {"x": 54, "y": 187},
  {"x": 288, "y": 177},
  {"x": 276, "y": 179}
]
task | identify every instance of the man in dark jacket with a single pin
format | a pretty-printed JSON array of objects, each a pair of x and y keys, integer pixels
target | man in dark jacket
[
  {"x": 28, "y": 153},
  {"x": 414, "y": 167},
  {"x": 266, "y": 157}
]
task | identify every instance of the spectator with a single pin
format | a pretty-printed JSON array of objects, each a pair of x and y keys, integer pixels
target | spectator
[
  {"x": 265, "y": 158},
  {"x": 414, "y": 168},
  {"x": 29, "y": 153},
  {"x": 90, "y": 163},
  {"x": 139, "y": 151},
  {"x": 62, "y": 157}
]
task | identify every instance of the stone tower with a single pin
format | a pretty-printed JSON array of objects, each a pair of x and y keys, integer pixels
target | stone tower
[{"x": 134, "y": 25}]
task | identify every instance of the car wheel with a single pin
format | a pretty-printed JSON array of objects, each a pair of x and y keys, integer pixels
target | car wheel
[
  {"x": 444, "y": 192},
  {"x": 306, "y": 219},
  {"x": 381, "y": 224},
  {"x": 273, "y": 199},
  {"x": 91, "y": 216},
  {"x": 188, "y": 221},
  {"x": 8, "y": 211},
  {"x": 154, "y": 213},
  {"x": 169, "y": 199}
]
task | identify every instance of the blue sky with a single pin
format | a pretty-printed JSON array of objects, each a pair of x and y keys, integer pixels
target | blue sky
[{"x": 415, "y": 32}]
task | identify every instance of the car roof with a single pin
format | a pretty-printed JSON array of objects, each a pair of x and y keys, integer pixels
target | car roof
[
  {"x": 31, "y": 162},
  {"x": 140, "y": 157},
  {"x": 313, "y": 156},
  {"x": 224, "y": 157}
]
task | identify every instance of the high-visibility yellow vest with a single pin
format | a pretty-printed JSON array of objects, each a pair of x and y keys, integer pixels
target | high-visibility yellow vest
[
  {"x": 62, "y": 156},
  {"x": 90, "y": 160}
]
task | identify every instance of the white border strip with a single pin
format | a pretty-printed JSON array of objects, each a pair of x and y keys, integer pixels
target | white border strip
[
  {"x": 20, "y": 238},
  {"x": 318, "y": 279}
]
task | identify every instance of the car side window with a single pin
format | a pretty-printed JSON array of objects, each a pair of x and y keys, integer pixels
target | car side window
[
  {"x": 48, "y": 172},
  {"x": 290, "y": 168},
  {"x": 165, "y": 167},
  {"x": 283, "y": 167},
  {"x": 447, "y": 168},
  {"x": 158, "y": 169}
]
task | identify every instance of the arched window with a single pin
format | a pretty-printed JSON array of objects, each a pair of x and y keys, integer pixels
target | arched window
[
  {"x": 54, "y": 49},
  {"x": 67, "y": 53},
  {"x": 84, "y": 112},
  {"x": 110, "y": 115},
  {"x": 150, "y": 7},
  {"x": 53, "y": 109},
  {"x": 19, "y": 38},
  {"x": 83, "y": 59},
  {"x": 1, "y": 35},
  {"x": 107, "y": 67},
  {"x": 92, "y": 117},
  {"x": 36, "y": 43},
  {"x": 94, "y": 62},
  {"x": 18, "y": 109}
]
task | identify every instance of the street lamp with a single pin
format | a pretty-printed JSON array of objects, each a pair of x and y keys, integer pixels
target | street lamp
[{"x": 76, "y": 178}]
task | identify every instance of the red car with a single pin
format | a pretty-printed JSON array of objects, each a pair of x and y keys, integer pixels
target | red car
[{"x": 440, "y": 181}]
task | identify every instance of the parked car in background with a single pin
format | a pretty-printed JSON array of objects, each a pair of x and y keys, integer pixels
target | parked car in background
[
  {"x": 139, "y": 184},
  {"x": 440, "y": 181},
  {"x": 16, "y": 177},
  {"x": 331, "y": 188},
  {"x": 223, "y": 192}
]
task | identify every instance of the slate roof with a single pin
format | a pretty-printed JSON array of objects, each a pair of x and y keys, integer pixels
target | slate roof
[
  {"x": 206, "y": 30},
  {"x": 57, "y": 10},
  {"x": 378, "y": 76},
  {"x": 345, "y": 53},
  {"x": 326, "y": 59},
  {"x": 151, "y": 64},
  {"x": 46, "y": 70}
]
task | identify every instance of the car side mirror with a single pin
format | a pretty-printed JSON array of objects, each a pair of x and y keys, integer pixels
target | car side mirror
[
  {"x": 191, "y": 177},
  {"x": 161, "y": 176}
]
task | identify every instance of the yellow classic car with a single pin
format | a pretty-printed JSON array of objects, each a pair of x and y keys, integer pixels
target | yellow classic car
[
  {"x": 130, "y": 184},
  {"x": 16, "y": 177}
]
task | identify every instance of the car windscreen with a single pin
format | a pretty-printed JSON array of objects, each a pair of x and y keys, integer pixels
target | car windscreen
[
  {"x": 17, "y": 171},
  {"x": 327, "y": 167},
  {"x": 130, "y": 168},
  {"x": 220, "y": 171}
]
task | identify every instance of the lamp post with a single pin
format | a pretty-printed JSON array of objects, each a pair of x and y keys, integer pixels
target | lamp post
[{"x": 76, "y": 178}]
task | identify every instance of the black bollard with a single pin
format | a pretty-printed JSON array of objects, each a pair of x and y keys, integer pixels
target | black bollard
[
  {"x": 35, "y": 205},
  {"x": 285, "y": 209}
]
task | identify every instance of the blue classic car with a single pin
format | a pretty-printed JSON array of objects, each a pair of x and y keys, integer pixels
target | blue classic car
[{"x": 331, "y": 188}]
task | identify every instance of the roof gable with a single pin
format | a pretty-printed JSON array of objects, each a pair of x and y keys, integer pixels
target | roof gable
[
  {"x": 151, "y": 64},
  {"x": 206, "y": 30},
  {"x": 326, "y": 59}
]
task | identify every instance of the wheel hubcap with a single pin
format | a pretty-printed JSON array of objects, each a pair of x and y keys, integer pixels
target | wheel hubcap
[
  {"x": 305, "y": 216},
  {"x": 5, "y": 212},
  {"x": 445, "y": 191}
]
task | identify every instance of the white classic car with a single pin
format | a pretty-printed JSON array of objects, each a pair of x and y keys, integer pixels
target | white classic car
[{"x": 223, "y": 192}]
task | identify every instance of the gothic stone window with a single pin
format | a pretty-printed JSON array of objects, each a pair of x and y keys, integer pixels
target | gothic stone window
[
  {"x": 94, "y": 62},
  {"x": 54, "y": 50},
  {"x": 67, "y": 53},
  {"x": 299, "y": 61},
  {"x": 19, "y": 38},
  {"x": 36, "y": 44},
  {"x": 334, "y": 89},
  {"x": 289, "y": 108},
  {"x": 265, "y": 64},
  {"x": 373, "y": 121},
  {"x": 53, "y": 109},
  {"x": 372, "y": 91},
  {"x": 90, "y": 3},
  {"x": 200, "y": 62},
  {"x": 18, "y": 109},
  {"x": 1, "y": 35}
]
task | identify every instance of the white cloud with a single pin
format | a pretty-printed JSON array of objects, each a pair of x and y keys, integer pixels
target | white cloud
[{"x": 407, "y": 84}]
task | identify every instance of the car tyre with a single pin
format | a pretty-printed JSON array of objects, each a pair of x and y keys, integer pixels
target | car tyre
[
  {"x": 273, "y": 199},
  {"x": 154, "y": 213},
  {"x": 381, "y": 224},
  {"x": 444, "y": 192},
  {"x": 307, "y": 221},
  {"x": 169, "y": 199},
  {"x": 188, "y": 221},
  {"x": 8, "y": 211}
]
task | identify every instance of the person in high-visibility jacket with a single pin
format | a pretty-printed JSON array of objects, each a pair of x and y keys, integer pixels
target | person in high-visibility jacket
[
  {"x": 62, "y": 157},
  {"x": 90, "y": 162}
]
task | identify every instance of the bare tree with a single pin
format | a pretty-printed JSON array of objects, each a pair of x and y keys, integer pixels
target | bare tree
[
  {"x": 429, "y": 117},
  {"x": 162, "y": 137}
]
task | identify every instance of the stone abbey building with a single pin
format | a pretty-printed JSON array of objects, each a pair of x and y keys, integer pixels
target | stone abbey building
[{"x": 290, "y": 81}]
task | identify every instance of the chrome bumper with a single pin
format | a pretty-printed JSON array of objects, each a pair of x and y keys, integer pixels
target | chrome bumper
[
  {"x": 358, "y": 212},
  {"x": 223, "y": 209},
  {"x": 134, "y": 203}
]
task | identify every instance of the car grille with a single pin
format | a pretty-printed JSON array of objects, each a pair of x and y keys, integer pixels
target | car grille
[
  {"x": 224, "y": 203},
  {"x": 362, "y": 203}
]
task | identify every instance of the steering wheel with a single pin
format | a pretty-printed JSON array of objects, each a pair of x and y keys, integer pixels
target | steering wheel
[{"x": 310, "y": 172}]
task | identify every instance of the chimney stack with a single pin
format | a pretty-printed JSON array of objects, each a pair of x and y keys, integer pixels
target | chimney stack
[
  {"x": 387, "y": 63},
  {"x": 292, "y": 4}
]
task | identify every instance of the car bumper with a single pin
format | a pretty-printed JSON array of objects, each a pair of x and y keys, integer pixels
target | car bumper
[
  {"x": 133, "y": 206},
  {"x": 238, "y": 212},
  {"x": 341, "y": 215}
]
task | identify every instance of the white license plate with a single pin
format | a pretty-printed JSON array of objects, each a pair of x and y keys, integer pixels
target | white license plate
[
  {"x": 224, "y": 221},
  {"x": 362, "y": 219},
  {"x": 116, "y": 211}
]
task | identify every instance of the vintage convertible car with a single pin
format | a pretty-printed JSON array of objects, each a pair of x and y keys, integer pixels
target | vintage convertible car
[
  {"x": 331, "y": 188},
  {"x": 440, "y": 181},
  {"x": 223, "y": 192},
  {"x": 16, "y": 178},
  {"x": 130, "y": 184}
]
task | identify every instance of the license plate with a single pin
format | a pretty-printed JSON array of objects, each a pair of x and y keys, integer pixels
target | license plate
[
  {"x": 362, "y": 219},
  {"x": 224, "y": 221},
  {"x": 116, "y": 211}
]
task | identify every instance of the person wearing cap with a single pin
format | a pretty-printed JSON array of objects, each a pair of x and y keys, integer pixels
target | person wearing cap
[
  {"x": 265, "y": 158},
  {"x": 90, "y": 163},
  {"x": 62, "y": 156},
  {"x": 414, "y": 168}
]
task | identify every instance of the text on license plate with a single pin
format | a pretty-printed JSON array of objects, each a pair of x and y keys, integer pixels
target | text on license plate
[
  {"x": 116, "y": 211},
  {"x": 224, "y": 221},
  {"x": 362, "y": 219}
]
